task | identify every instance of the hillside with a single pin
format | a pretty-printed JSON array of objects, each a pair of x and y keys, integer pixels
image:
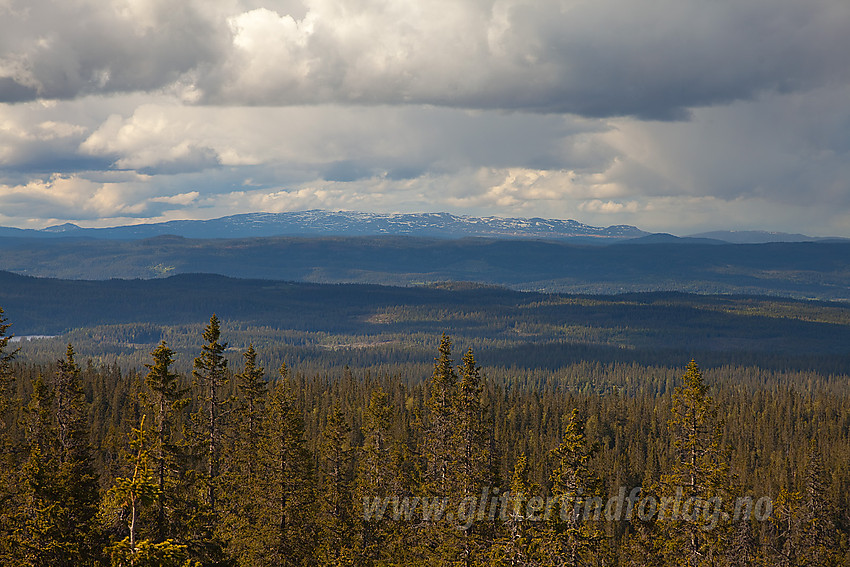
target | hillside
[
  {"x": 817, "y": 270},
  {"x": 368, "y": 324}
]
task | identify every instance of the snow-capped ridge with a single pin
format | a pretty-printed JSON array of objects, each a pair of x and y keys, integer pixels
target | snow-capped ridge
[{"x": 316, "y": 222}]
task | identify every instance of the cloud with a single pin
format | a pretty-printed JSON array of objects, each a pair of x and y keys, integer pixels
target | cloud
[
  {"x": 339, "y": 143},
  {"x": 791, "y": 149},
  {"x": 650, "y": 59},
  {"x": 673, "y": 115},
  {"x": 62, "y": 50}
]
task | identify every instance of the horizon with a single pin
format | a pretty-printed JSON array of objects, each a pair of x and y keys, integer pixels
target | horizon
[
  {"x": 86, "y": 226},
  {"x": 389, "y": 214}
]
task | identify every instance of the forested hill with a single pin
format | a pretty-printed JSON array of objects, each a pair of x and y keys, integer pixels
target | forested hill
[
  {"x": 802, "y": 270},
  {"x": 370, "y": 324}
]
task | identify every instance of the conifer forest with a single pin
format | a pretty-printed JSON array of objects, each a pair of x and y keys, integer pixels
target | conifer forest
[{"x": 221, "y": 455}]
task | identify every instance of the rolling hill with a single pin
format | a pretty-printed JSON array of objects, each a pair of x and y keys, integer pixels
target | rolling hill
[{"x": 819, "y": 270}]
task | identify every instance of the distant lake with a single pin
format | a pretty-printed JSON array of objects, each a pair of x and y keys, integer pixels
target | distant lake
[{"x": 29, "y": 338}]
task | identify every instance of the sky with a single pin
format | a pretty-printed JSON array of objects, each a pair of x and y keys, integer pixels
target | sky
[{"x": 676, "y": 116}]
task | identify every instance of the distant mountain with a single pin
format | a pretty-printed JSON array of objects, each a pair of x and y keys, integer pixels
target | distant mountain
[
  {"x": 346, "y": 223},
  {"x": 665, "y": 238},
  {"x": 67, "y": 228},
  {"x": 754, "y": 236}
]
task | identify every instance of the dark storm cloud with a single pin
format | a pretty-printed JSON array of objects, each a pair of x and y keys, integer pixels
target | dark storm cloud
[
  {"x": 650, "y": 59},
  {"x": 12, "y": 91},
  {"x": 63, "y": 50}
]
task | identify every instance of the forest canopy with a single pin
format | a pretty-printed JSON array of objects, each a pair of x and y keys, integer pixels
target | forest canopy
[{"x": 229, "y": 463}]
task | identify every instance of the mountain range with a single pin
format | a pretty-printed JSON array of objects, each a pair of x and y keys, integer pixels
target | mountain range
[
  {"x": 351, "y": 223},
  {"x": 344, "y": 223}
]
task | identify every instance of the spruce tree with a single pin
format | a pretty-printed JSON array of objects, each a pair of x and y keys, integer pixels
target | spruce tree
[
  {"x": 471, "y": 459},
  {"x": 8, "y": 461},
  {"x": 242, "y": 503},
  {"x": 134, "y": 492},
  {"x": 286, "y": 533},
  {"x": 441, "y": 483},
  {"x": 698, "y": 484},
  {"x": 6, "y": 357},
  {"x": 520, "y": 538},
  {"x": 200, "y": 513},
  {"x": 471, "y": 438},
  {"x": 251, "y": 392},
  {"x": 336, "y": 459},
  {"x": 574, "y": 537},
  {"x": 77, "y": 477},
  {"x": 819, "y": 538},
  {"x": 38, "y": 539},
  {"x": 377, "y": 475},
  {"x": 210, "y": 376},
  {"x": 165, "y": 400},
  {"x": 440, "y": 441}
]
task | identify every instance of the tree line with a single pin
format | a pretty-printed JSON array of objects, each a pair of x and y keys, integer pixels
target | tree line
[{"x": 239, "y": 466}]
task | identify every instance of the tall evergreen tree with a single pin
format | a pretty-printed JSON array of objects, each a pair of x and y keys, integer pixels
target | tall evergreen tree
[
  {"x": 8, "y": 464},
  {"x": 819, "y": 539},
  {"x": 440, "y": 536},
  {"x": 135, "y": 492},
  {"x": 165, "y": 400},
  {"x": 377, "y": 475},
  {"x": 6, "y": 357},
  {"x": 210, "y": 376},
  {"x": 520, "y": 539},
  {"x": 286, "y": 533},
  {"x": 79, "y": 481},
  {"x": 574, "y": 536},
  {"x": 38, "y": 539},
  {"x": 242, "y": 502},
  {"x": 471, "y": 459},
  {"x": 471, "y": 437},
  {"x": 440, "y": 441},
  {"x": 336, "y": 459},
  {"x": 251, "y": 391},
  {"x": 699, "y": 480}
]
